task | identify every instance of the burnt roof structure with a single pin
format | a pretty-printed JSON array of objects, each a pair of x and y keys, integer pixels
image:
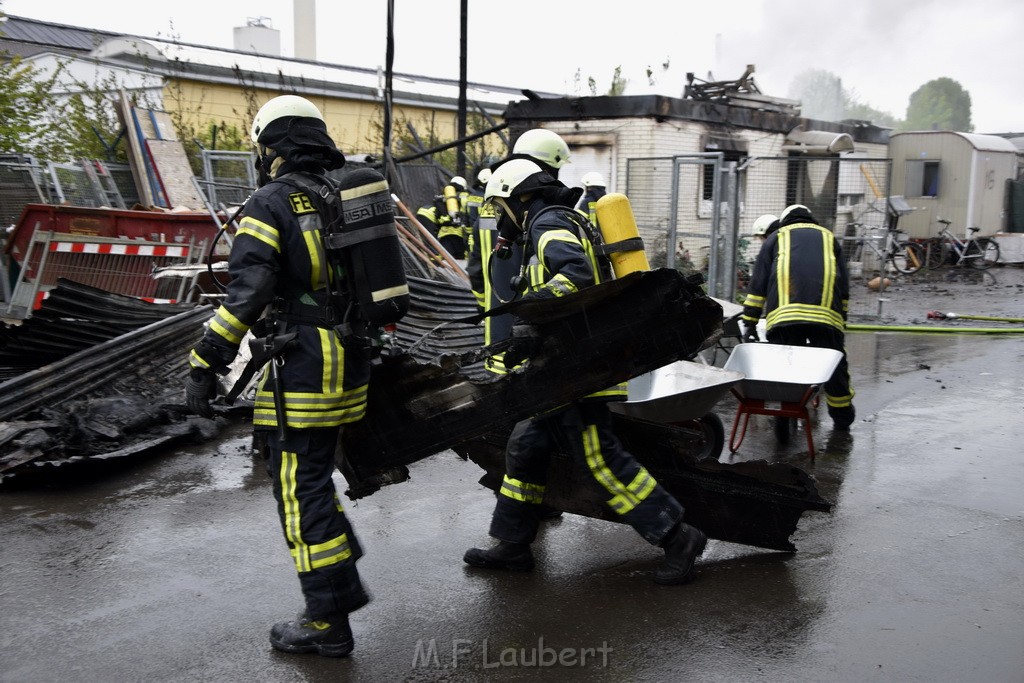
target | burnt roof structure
[{"x": 526, "y": 114}]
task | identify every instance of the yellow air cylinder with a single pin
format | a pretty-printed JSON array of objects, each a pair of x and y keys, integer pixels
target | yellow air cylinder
[
  {"x": 617, "y": 224},
  {"x": 451, "y": 200}
]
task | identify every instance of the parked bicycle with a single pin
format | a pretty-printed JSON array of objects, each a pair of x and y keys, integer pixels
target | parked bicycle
[
  {"x": 905, "y": 256},
  {"x": 947, "y": 248}
]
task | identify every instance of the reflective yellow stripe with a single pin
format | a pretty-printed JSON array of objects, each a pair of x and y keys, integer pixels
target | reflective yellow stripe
[
  {"x": 226, "y": 325},
  {"x": 311, "y": 235},
  {"x": 839, "y": 401},
  {"x": 329, "y": 552},
  {"x": 197, "y": 361},
  {"x": 805, "y": 313},
  {"x": 313, "y": 401},
  {"x": 292, "y": 516},
  {"x": 623, "y": 500},
  {"x": 782, "y": 267},
  {"x": 560, "y": 285},
  {"x": 496, "y": 364},
  {"x": 522, "y": 491},
  {"x": 334, "y": 356},
  {"x": 363, "y": 190},
  {"x": 305, "y": 410},
  {"x": 642, "y": 485},
  {"x": 389, "y": 292},
  {"x": 554, "y": 235},
  {"x": 448, "y": 230},
  {"x": 618, "y": 391},
  {"x": 483, "y": 299},
  {"x": 261, "y": 231},
  {"x": 267, "y": 417},
  {"x": 754, "y": 300},
  {"x": 828, "y": 260}
]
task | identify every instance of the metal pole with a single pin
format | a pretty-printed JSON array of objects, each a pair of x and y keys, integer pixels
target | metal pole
[
  {"x": 389, "y": 60},
  {"x": 460, "y": 161},
  {"x": 716, "y": 216},
  {"x": 673, "y": 219},
  {"x": 731, "y": 176}
]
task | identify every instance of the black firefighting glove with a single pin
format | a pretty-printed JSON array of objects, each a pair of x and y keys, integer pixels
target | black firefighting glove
[
  {"x": 526, "y": 341},
  {"x": 200, "y": 389},
  {"x": 750, "y": 333}
]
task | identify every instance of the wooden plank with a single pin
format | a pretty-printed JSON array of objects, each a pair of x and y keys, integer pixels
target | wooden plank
[
  {"x": 136, "y": 160},
  {"x": 175, "y": 174}
]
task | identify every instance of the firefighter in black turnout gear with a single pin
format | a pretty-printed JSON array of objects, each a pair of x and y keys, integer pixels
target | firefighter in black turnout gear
[
  {"x": 286, "y": 286},
  {"x": 540, "y": 207},
  {"x": 496, "y": 259},
  {"x": 801, "y": 287}
]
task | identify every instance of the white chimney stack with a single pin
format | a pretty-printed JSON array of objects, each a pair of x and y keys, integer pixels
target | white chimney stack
[{"x": 305, "y": 29}]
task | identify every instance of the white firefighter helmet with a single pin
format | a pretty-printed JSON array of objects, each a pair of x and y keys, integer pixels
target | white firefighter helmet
[
  {"x": 280, "y": 107},
  {"x": 483, "y": 176},
  {"x": 507, "y": 177},
  {"x": 593, "y": 179},
  {"x": 459, "y": 182},
  {"x": 543, "y": 145},
  {"x": 790, "y": 209},
  {"x": 762, "y": 224}
]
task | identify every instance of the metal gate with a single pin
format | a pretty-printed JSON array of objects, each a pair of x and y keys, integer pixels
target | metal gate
[
  {"x": 121, "y": 266},
  {"x": 695, "y": 212}
]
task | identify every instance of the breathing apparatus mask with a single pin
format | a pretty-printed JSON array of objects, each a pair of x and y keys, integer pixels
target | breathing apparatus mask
[
  {"x": 509, "y": 232},
  {"x": 264, "y": 163}
]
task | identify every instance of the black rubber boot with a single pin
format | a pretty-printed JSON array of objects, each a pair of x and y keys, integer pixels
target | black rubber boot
[
  {"x": 842, "y": 418},
  {"x": 548, "y": 512},
  {"x": 505, "y": 555},
  {"x": 328, "y": 638},
  {"x": 683, "y": 545}
]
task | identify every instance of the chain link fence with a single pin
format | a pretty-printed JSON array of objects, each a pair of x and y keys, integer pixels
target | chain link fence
[
  {"x": 696, "y": 212},
  {"x": 228, "y": 177}
]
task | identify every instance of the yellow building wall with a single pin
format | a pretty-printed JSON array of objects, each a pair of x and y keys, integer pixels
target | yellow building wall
[{"x": 354, "y": 125}]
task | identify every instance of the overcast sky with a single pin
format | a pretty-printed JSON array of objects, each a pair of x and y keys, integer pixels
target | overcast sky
[{"x": 882, "y": 50}]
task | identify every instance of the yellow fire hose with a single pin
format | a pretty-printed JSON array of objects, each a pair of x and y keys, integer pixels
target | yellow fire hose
[{"x": 856, "y": 327}]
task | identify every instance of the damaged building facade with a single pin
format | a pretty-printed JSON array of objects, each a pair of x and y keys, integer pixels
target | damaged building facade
[{"x": 699, "y": 172}]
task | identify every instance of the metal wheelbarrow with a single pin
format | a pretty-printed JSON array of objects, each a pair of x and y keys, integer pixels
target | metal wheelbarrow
[
  {"x": 778, "y": 380},
  {"x": 682, "y": 394}
]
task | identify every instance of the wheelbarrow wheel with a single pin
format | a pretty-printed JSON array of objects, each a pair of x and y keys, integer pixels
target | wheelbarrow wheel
[{"x": 712, "y": 432}]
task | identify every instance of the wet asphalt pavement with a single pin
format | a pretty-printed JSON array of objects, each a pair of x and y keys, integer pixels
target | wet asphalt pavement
[{"x": 174, "y": 568}]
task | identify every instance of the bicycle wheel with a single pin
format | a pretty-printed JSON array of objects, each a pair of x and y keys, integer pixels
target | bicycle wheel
[
  {"x": 908, "y": 258},
  {"x": 983, "y": 252},
  {"x": 935, "y": 254}
]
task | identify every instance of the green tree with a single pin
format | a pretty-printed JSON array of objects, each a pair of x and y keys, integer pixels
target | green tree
[
  {"x": 55, "y": 118},
  {"x": 26, "y": 99},
  {"x": 939, "y": 104},
  {"x": 91, "y": 128}
]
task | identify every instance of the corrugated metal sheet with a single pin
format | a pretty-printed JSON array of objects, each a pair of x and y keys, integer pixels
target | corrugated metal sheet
[
  {"x": 46, "y": 34},
  {"x": 74, "y": 317}
]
